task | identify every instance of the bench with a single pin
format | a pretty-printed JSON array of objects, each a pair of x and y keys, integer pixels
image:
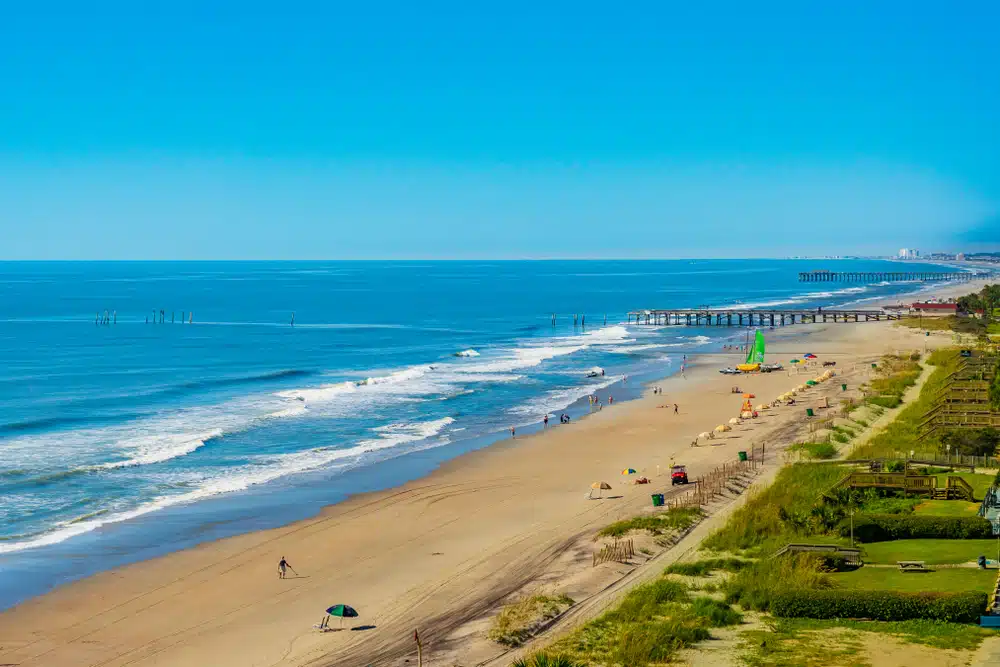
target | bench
[{"x": 912, "y": 566}]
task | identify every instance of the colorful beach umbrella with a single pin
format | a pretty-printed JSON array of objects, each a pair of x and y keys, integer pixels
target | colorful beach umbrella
[
  {"x": 809, "y": 355},
  {"x": 599, "y": 486},
  {"x": 795, "y": 361},
  {"x": 343, "y": 611},
  {"x": 749, "y": 396},
  {"x": 628, "y": 471}
]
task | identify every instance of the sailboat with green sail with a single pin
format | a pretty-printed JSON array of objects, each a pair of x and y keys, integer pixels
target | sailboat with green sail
[{"x": 755, "y": 354}]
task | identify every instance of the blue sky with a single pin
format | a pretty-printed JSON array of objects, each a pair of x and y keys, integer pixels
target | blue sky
[{"x": 329, "y": 130}]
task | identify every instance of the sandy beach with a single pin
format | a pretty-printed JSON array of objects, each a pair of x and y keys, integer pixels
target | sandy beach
[{"x": 430, "y": 555}]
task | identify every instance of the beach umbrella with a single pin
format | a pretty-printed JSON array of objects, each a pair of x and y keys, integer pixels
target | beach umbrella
[
  {"x": 811, "y": 382},
  {"x": 749, "y": 396},
  {"x": 809, "y": 355},
  {"x": 628, "y": 471},
  {"x": 761, "y": 407},
  {"x": 706, "y": 435},
  {"x": 722, "y": 428},
  {"x": 734, "y": 421},
  {"x": 600, "y": 486},
  {"x": 795, "y": 361},
  {"x": 343, "y": 611}
]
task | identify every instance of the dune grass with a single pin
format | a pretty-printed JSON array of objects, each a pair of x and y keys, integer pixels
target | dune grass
[
  {"x": 818, "y": 450},
  {"x": 673, "y": 519},
  {"x": 515, "y": 622},
  {"x": 779, "y": 513},
  {"x": 902, "y": 434}
]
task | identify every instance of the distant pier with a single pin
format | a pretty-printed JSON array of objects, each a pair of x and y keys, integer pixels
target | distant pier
[
  {"x": 882, "y": 276},
  {"x": 760, "y": 318}
]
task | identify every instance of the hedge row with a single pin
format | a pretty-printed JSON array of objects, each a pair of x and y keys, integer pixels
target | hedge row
[
  {"x": 884, "y": 527},
  {"x": 879, "y": 605}
]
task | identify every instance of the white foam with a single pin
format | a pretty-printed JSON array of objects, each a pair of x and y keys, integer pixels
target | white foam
[
  {"x": 266, "y": 469},
  {"x": 632, "y": 349},
  {"x": 467, "y": 353},
  {"x": 157, "y": 449},
  {"x": 558, "y": 399}
]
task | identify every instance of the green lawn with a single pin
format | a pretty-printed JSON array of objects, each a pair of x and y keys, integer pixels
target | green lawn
[
  {"x": 980, "y": 483},
  {"x": 947, "y": 508},
  {"x": 953, "y": 579},
  {"x": 930, "y": 551}
]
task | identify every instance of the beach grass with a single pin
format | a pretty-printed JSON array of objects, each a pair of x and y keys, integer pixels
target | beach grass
[
  {"x": 679, "y": 518},
  {"x": 705, "y": 567},
  {"x": 516, "y": 621}
]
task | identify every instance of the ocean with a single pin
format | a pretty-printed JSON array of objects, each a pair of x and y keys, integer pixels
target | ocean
[{"x": 126, "y": 440}]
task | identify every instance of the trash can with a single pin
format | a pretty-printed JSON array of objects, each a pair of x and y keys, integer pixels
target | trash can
[
  {"x": 874, "y": 365},
  {"x": 843, "y": 387},
  {"x": 742, "y": 455},
  {"x": 657, "y": 500},
  {"x": 809, "y": 412}
]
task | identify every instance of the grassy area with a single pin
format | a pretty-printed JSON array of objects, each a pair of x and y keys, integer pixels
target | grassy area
[
  {"x": 946, "y": 323},
  {"x": 656, "y": 524},
  {"x": 516, "y": 621},
  {"x": 649, "y": 626},
  {"x": 902, "y": 434},
  {"x": 816, "y": 450},
  {"x": 946, "y": 508},
  {"x": 932, "y": 551},
  {"x": 980, "y": 483},
  {"x": 703, "y": 568},
  {"x": 950, "y": 579},
  {"x": 779, "y": 513},
  {"x": 807, "y": 642}
]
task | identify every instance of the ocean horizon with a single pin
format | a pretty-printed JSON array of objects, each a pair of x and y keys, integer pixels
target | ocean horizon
[{"x": 149, "y": 406}]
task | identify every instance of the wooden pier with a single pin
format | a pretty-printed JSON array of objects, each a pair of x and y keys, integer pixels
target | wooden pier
[
  {"x": 758, "y": 318},
  {"x": 881, "y": 276}
]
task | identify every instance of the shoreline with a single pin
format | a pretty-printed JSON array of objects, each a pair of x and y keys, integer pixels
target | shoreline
[{"x": 614, "y": 422}]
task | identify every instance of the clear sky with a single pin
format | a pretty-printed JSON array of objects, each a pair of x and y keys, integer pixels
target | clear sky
[{"x": 183, "y": 130}]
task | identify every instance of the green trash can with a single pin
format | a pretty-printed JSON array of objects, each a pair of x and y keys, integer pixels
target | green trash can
[
  {"x": 809, "y": 412},
  {"x": 742, "y": 455},
  {"x": 843, "y": 387},
  {"x": 874, "y": 365},
  {"x": 657, "y": 500}
]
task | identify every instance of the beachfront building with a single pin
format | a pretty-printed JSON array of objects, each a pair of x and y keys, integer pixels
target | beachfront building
[
  {"x": 909, "y": 253},
  {"x": 935, "y": 309}
]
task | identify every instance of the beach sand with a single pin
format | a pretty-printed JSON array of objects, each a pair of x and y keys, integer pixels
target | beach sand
[{"x": 429, "y": 555}]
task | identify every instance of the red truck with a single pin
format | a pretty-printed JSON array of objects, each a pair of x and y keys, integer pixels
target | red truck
[{"x": 678, "y": 475}]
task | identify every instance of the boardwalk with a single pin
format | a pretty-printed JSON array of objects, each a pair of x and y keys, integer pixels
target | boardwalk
[
  {"x": 881, "y": 276},
  {"x": 761, "y": 318}
]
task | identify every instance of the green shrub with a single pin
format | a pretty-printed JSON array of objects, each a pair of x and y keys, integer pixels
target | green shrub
[
  {"x": 890, "y": 401},
  {"x": 643, "y": 603},
  {"x": 656, "y": 642},
  {"x": 841, "y": 437},
  {"x": 964, "y": 607},
  {"x": 717, "y": 613},
  {"x": 884, "y": 527},
  {"x": 815, "y": 450},
  {"x": 754, "y": 587},
  {"x": 702, "y": 568},
  {"x": 546, "y": 660}
]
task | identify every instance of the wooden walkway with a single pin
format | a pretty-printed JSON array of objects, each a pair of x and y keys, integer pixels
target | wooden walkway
[
  {"x": 880, "y": 276},
  {"x": 747, "y": 317}
]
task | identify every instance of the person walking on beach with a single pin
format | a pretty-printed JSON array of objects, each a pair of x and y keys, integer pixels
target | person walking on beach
[
  {"x": 675, "y": 409},
  {"x": 512, "y": 432},
  {"x": 284, "y": 565},
  {"x": 545, "y": 421},
  {"x": 611, "y": 399}
]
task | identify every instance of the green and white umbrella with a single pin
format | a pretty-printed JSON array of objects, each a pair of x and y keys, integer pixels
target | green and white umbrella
[{"x": 343, "y": 611}]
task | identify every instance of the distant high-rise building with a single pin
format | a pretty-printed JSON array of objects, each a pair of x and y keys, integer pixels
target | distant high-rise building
[
  {"x": 904, "y": 253},
  {"x": 960, "y": 257}
]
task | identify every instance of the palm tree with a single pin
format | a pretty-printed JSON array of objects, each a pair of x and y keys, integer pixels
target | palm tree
[{"x": 545, "y": 660}]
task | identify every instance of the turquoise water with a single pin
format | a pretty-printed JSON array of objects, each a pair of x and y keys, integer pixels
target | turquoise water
[{"x": 125, "y": 440}]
